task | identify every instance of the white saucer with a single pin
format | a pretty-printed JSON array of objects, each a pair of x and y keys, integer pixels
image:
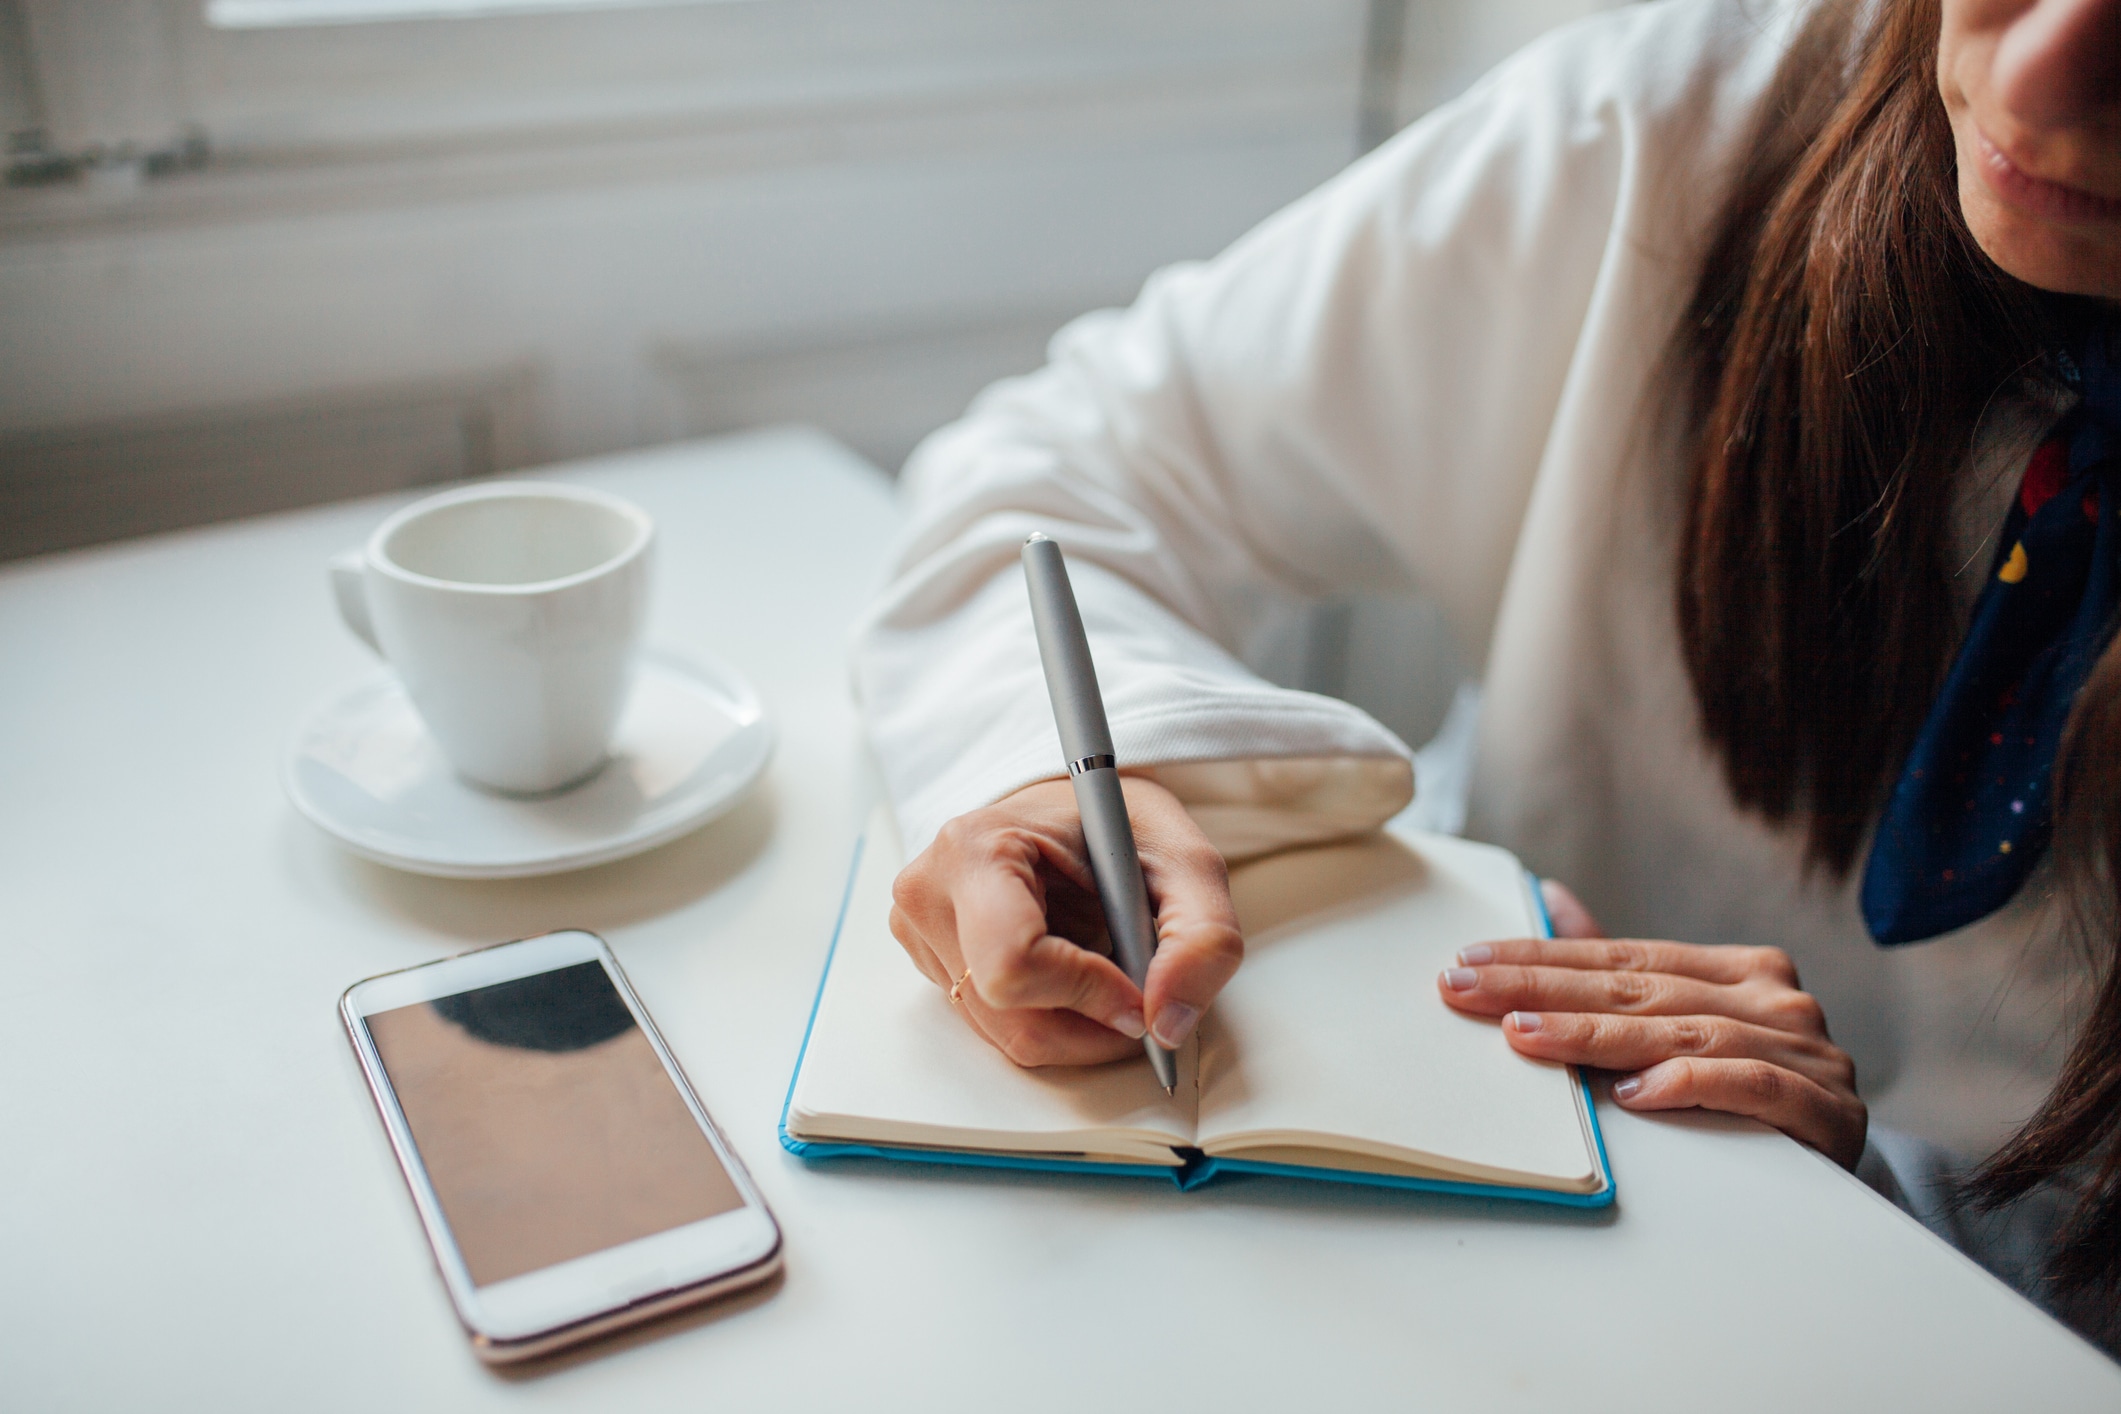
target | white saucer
[{"x": 364, "y": 769}]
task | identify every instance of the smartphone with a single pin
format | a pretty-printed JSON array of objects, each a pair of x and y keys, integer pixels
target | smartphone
[{"x": 568, "y": 1178}]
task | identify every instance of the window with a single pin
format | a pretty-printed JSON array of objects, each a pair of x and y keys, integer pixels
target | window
[
  {"x": 273, "y": 81},
  {"x": 265, "y": 14}
]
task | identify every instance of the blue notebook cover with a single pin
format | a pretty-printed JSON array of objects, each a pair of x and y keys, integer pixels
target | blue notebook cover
[{"x": 1189, "y": 1175}]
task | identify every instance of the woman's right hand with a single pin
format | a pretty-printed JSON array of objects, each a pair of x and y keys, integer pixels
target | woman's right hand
[{"x": 1002, "y": 909}]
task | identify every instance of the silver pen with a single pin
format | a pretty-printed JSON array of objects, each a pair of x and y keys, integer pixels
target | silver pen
[{"x": 1086, "y": 743}]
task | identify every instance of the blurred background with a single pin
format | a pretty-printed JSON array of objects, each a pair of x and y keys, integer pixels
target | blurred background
[
  {"x": 256, "y": 254},
  {"x": 262, "y": 253}
]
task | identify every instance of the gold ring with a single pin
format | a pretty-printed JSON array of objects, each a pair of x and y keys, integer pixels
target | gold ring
[{"x": 957, "y": 988}]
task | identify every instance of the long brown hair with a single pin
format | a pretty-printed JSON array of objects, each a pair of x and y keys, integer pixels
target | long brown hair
[
  {"x": 2077, "y": 1132},
  {"x": 1845, "y": 339}
]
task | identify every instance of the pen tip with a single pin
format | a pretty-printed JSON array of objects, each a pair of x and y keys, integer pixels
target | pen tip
[
  {"x": 1170, "y": 1089},
  {"x": 1034, "y": 537}
]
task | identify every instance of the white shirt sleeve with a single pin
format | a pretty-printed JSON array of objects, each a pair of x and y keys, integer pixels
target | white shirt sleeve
[{"x": 1356, "y": 396}]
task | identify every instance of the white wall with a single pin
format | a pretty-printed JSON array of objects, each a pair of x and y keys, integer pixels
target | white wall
[
  {"x": 582, "y": 232},
  {"x": 602, "y": 286}
]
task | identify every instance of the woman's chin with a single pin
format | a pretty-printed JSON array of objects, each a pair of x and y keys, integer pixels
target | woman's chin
[{"x": 2069, "y": 259}]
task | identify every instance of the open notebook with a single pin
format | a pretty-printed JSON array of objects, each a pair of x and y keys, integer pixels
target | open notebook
[{"x": 1330, "y": 1054}]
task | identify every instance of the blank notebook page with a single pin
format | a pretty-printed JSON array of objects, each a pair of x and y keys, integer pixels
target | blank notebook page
[{"x": 1334, "y": 1026}]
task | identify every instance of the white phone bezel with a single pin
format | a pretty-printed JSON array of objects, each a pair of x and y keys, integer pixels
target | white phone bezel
[{"x": 536, "y": 1303}]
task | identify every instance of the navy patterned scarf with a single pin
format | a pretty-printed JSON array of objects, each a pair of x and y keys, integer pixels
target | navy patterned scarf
[{"x": 1974, "y": 806}]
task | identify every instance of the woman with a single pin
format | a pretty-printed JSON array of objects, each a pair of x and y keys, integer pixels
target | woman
[{"x": 1738, "y": 375}]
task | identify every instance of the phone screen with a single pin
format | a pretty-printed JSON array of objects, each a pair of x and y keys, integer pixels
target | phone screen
[{"x": 546, "y": 1122}]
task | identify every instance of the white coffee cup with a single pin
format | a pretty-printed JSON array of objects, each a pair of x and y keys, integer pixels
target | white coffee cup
[{"x": 512, "y": 612}]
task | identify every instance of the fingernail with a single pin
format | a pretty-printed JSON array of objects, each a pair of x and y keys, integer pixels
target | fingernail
[
  {"x": 1524, "y": 1022},
  {"x": 1127, "y": 1024},
  {"x": 1476, "y": 955},
  {"x": 1627, "y": 1089},
  {"x": 1174, "y": 1024},
  {"x": 1461, "y": 979}
]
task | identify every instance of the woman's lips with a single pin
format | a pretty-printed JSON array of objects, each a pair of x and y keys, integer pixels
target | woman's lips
[{"x": 2052, "y": 200}]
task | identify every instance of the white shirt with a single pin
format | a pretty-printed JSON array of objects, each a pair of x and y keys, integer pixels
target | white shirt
[{"x": 1443, "y": 371}]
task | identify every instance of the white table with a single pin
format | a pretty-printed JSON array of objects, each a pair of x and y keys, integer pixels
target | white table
[{"x": 200, "y": 1210}]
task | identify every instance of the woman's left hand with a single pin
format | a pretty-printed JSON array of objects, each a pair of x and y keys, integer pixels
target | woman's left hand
[{"x": 1719, "y": 1028}]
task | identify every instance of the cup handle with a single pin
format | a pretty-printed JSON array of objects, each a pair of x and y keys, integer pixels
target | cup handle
[{"x": 349, "y": 585}]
